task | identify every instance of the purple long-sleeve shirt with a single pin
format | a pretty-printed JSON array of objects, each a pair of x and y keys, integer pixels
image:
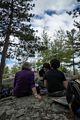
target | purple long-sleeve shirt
[{"x": 23, "y": 83}]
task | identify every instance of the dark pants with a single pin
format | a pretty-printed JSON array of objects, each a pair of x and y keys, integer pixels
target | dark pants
[
  {"x": 57, "y": 94},
  {"x": 76, "y": 118}
]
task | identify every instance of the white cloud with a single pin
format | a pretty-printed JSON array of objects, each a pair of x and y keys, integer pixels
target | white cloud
[
  {"x": 59, "y": 21},
  {"x": 41, "y": 5},
  {"x": 56, "y": 21},
  {"x": 53, "y": 23}
]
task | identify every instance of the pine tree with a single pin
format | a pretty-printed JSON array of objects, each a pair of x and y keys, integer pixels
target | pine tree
[
  {"x": 73, "y": 47},
  {"x": 15, "y": 17},
  {"x": 76, "y": 13}
]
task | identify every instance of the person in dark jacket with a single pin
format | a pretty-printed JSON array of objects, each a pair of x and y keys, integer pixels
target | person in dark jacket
[
  {"x": 24, "y": 84},
  {"x": 55, "y": 80},
  {"x": 43, "y": 70}
]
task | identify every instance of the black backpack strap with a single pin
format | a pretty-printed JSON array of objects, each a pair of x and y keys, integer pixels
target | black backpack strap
[
  {"x": 73, "y": 93},
  {"x": 76, "y": 90}
]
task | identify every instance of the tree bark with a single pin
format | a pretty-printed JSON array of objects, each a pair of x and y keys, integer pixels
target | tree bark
[
  {"x": 73, "y": 65},
  {"x": 5, "y": 47},
  {"x": 3, "y": 58}
]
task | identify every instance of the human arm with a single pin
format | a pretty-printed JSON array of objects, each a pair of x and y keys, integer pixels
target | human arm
[
  {"x": 45, "y": 83},
  {"x": 15, "y": 78},
  {"x": 45, "y": 80},
  {"x": 34, "y": 88},
  {"x": 65, "y": 84},
  {"x": 35, "y": 93}
]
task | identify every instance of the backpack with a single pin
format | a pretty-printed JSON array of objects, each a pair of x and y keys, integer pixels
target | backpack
[{"x": 73, "y": 95}]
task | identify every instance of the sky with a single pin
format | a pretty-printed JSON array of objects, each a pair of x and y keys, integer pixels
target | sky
[{"x": 50, "y": 15}]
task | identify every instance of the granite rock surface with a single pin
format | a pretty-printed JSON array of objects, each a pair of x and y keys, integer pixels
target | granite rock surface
[{"x": 29, "y": 108}]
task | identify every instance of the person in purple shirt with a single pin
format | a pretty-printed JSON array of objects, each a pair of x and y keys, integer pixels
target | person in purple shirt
[{"x": 24, "y": 84}]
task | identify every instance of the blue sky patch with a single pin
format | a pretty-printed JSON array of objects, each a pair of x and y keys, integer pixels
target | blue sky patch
[
  {"x": 50, "y": 12},
  {"x": 39, "y": 17},
  {"x": 9, "y": 61}
]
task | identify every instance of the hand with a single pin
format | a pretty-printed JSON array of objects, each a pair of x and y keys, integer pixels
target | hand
[
  {"x": 38, "y": 97},
  {"x": 71, "y": 114}
]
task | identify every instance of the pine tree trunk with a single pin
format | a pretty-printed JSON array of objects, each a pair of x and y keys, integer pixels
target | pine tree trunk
[
  {"x": 73, "y": 66},
  {"x": 5, "y": 47},
  {"x": 3, "y": 58}
]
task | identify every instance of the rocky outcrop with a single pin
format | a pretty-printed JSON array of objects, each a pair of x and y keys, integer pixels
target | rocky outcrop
[{"x": 29, "y": 108}]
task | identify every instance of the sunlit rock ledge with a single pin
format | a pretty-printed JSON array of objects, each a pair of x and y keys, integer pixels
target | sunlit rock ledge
[{"x": 29, "y": 108}]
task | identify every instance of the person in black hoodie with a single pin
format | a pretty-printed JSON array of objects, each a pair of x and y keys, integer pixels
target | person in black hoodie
[{"x": 54, "y": 79}]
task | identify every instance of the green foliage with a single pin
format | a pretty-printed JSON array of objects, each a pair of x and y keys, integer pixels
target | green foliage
[
  {"x": 65, "y": 47},
  {"x": 64, "y": 69},
  {"x": 10, "y": 71},
  {"x": 6, "y": 72},
  {"x": 39, "y": 63},
  {"x": 45, "y": 52},
  {"x": 58, "y": 46},
  {"x": 73, "y": 44},
  {"x": 14, "y": 69}
]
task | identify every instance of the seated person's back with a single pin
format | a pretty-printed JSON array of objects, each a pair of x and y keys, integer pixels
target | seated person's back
[
  {"x": 45, "y": 68},
  {"x": 54, "y": 79},
  {"x": 24, "y": 81}
]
